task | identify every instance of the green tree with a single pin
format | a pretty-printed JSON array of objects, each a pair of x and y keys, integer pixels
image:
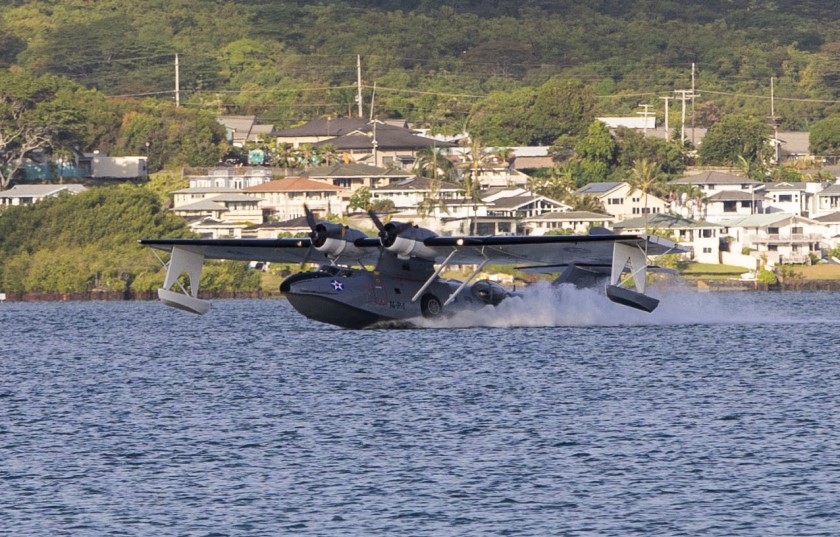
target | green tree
[
  {"x": 824, "y": 136},
  {"x": 597, "y": 152},
  {"x": 735, "y": 136},
  {"x": 360, "y": 199},
  {"x": 36, "y": 113},
  {"x": 644, "y": 177}
]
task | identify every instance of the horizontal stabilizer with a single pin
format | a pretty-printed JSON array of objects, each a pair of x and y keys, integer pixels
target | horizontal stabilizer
[{"x": 634, "y": 299}]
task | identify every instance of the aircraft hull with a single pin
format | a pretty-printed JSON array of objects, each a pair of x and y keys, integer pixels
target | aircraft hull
[{"x": 360, "y": 298}]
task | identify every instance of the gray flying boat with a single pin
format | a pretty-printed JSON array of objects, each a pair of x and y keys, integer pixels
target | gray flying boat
[{"x": 365, "y": 281}]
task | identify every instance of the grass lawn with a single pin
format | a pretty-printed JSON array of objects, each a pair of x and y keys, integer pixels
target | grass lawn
[
  {"x": 820, "y": 272},
  {"x": 724, "y": 272},
  {"x": 708, "y": 271}
]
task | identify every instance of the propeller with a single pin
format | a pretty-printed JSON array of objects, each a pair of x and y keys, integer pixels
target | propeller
[
  {"x": 388, "y": 233},
  {"x": 321, "y": 231},
  {"x": 329, "y": 238}
]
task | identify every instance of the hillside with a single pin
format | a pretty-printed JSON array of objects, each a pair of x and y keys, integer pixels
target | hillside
[{"x": 432, "y": 62}]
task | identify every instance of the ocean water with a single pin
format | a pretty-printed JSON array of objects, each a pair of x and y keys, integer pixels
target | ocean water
[{"x": 719, "y": 414}]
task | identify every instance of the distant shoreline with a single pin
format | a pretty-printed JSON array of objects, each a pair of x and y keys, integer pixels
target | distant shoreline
[{"x": 699, "y": 285}]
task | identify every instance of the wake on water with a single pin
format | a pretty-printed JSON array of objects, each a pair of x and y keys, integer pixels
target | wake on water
[{"x": 543, "y": 305}]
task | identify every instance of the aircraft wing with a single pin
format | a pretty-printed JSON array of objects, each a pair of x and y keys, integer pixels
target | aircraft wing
[
  {"x": 551, "y": 253},
  {"x": 271, "y": 250},
  {"x": 548, "y": 253}
]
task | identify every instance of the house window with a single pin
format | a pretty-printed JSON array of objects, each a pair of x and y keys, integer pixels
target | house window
[
  {"x": 785, "y": 197},
  {"x": 706, "y": 233},
  {"x": 707, "y": 250}
]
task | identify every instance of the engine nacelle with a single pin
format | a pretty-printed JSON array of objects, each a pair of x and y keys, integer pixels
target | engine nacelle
[
  {"x": 336, "y": 240},
  {"x": 406, "y": 240}
]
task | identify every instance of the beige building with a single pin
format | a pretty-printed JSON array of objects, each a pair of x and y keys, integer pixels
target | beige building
[{"x": 283, "y": 199}]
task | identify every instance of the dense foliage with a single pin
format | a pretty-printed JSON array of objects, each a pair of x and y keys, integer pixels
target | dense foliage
[
  {"x": 88, "y": 241},
  {"x": 436, "y": 62}
]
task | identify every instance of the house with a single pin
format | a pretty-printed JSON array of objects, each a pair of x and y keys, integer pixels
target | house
[
  {"x": 792, "y": 145},
  {"x": 733, "y": 202},
  {"x": 186, "y": 196},
  {"x": 794, "y": 198},
  {"x": 26, "y": 194},
  {"x": 576, "y": 222},
  {"x": 530, "y": 157},
  {"x": 701, "y": 239},
  {"x": 778, "y": 237},
  {"x": 319, "y": 130},
  {"x": 516, "y": 203},
  {"x": 229, "y": 177},
  {"x": 355, "y": 176},
  {"x": 232, "y": 207},
  {"x": 710, "y": 182},
  {"x": 827, "y": 200},
  {"x": 208, "y": 227},
  {"x": 243, "y": 129},
  {"x": 408, "y": 194},
  {"x": 622, "y": 201},
  {"x": 98, "y": 165},
  {"x": 831, "y": 222},
  {"x": 295, "y": 227},
  {"x": 283, "y": 199},
  {"x": 381, "y": 144},
  {"x": 643, "y": 122}
]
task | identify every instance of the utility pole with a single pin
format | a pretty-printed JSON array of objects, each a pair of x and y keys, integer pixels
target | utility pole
[
  {"x": 645, "y": 114},
  {"x": 177, "y": 82},
  {"x": 684, "y": 95},
  {"x": 359, "y": 83},
  {"x": 774, "y": 122},
  {"x": 692, "y": 105},
  {"x": 667, "y": 133}
]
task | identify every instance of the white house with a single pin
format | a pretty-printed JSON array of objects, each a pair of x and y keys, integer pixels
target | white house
[
  {"x": 729, "y": 203},
  {"x": 408, "y": 194},
  {"x": 831, "y": 222},
  {"x": 186, "y": 196},
  {"x": 700, "y": 238},
  {"x": 827, "y": 201},
  {"x": 231, "y": 178},
  {"x": 237, "y": 208},
  {"x": 622, "y": 200},
  {"x": 26, "y": 194},
  {"x": 209, "y": 227},
  {"x": 781, "y": 238},
  {"x": 711, "y": 182},
  {"x": 576, "y": 222},
  {"x": 792, "y": 198}
]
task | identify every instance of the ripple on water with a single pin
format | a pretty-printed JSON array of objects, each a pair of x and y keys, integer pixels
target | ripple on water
[{"x": 716, "y": 417}]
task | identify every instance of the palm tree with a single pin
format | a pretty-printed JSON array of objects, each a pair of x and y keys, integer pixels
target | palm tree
[
  {"x": 328, "y": 154},
  {"x": 432, "y": 162},
  {"x": 587, "y": 202},
  {"x": 644, "y": 176}
]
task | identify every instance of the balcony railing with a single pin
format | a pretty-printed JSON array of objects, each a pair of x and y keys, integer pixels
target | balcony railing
[{"x": 791, "y": 238}]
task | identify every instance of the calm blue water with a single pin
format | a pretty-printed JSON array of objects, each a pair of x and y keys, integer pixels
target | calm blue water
[{"x": 717, "y": 415}]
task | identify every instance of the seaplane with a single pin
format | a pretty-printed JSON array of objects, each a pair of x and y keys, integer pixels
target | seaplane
[{"x": 396, "y": 277}]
